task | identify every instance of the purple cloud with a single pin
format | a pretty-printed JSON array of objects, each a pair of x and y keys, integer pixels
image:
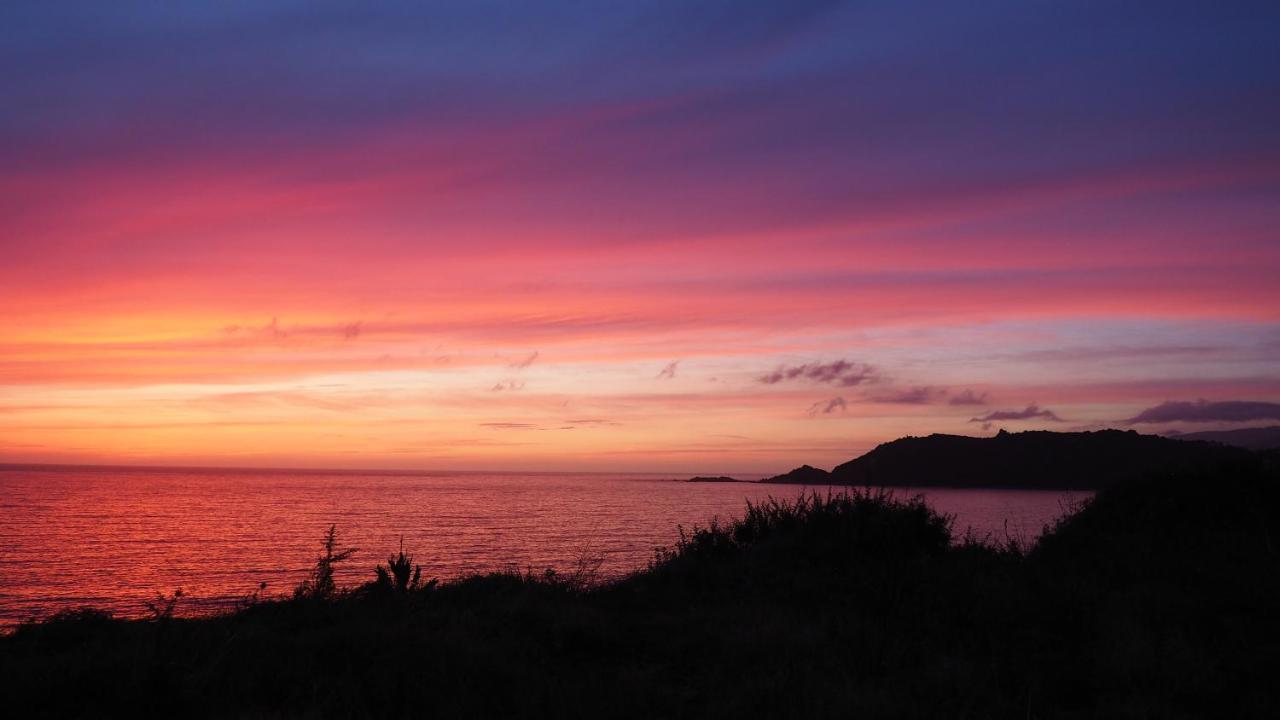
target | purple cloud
[
  {"x": 1205, "y": 411},
  {"x": 669, "y": 371},
  {"x": 839, "y": 372},
  {"x": 968, "y": 397},
  {"x": 919, "y": 395},
  {"x": 1032, "y": 411},
  {"x": 829, "y": 406}
]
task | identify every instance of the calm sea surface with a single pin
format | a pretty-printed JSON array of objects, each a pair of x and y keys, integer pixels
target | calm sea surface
[{"x": 113, "y": 538}]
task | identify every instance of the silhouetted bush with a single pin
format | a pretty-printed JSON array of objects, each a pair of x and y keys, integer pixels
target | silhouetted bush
[
  {"x": 163, "y": 606},
  {"x": 253, "y": 598},
  {"x": 320, "y": 585},
  {"x": 400, "y": 574}
]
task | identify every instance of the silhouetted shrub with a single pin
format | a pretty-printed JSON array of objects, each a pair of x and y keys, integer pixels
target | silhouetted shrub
[
  {"x": 253, "y": 598},
  {"x": 163, "y": 606},
  {"x": 76, "y": 616},
  {"x": 400, "y": 574},
  {"x": 320, "y": 585}
]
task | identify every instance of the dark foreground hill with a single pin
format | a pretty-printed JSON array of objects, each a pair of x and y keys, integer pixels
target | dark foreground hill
[
  {"x": 1157, "y": 600},
  {"x": 1035, "y": 459}
]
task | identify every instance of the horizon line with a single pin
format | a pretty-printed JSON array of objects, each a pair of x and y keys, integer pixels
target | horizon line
[{"x": 13, "y": 466}]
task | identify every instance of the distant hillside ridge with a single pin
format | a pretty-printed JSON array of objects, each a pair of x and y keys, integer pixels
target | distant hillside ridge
[
  {"x": 803, "y": 475},
  {"x": 1036, "y": 459},
  {"x": 1263, "y": 438}
]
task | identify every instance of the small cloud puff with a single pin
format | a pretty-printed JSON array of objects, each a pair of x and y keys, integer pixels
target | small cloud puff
[{"x": 839, "y": 372}]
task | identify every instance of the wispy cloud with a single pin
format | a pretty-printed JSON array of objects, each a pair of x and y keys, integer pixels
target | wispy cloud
[
  {"x": 668, "y": 372},
  {"x": 525, "y": 362},
  {"x": 507, "y": 386},
  {"x": 508, "y": 425},
  {"x": 968, "y": 397},
  {"x": 1118, "y": 352},
  {"x": 1031, "y": 412},
  {"x": 1206, "y": 411},
  {"x": 838, "y": 372},
  {"x": 919, "y": 395},
  {"x": 826, "y": 407},
  {"x": 271, "y": 330},
  {"x": 268, "y": 398}
]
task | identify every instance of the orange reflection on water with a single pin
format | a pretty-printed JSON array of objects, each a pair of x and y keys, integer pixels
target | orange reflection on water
[{"x": 113, "y": 538}]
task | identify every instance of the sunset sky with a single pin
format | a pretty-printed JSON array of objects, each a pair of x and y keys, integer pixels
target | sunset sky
[{"x": 713, "y": 236}]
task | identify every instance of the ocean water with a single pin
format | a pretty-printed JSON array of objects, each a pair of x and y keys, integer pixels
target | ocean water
[{"x": 113, "y": 538}]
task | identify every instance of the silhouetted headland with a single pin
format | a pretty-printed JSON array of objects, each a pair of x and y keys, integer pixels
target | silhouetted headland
[
  {"x": 713, "y": 479},
  {"x": 803, "y": 475},
  {"x": 1035, "y": 459}
]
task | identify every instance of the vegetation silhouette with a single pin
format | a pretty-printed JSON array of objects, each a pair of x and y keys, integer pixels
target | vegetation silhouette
[
  {"x": 1156, "y": 599},
  {"x": 320, "y": 586},
  {"x": 163, "y": 606},
  {"x": 400, "y": 574}
]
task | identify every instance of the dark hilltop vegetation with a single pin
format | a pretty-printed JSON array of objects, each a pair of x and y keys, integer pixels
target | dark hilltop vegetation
[
  {"x": 1036, "y": 459},
  {"x": 1157, "y": 599}
]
